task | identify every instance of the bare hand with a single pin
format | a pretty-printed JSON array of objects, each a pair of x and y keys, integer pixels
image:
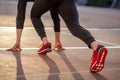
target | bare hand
[{"x": 15, "y": 48}]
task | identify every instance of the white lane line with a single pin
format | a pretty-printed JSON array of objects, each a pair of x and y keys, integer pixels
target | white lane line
[
  {"x": 96, "y": 40},
  {"x": 58, "y": 73},
  {"x": 67, "y": 33},
  {"x": 114, "y": 69},
  {"x": 51, "y": 28},
  {"x": 76, "y": 72},
  {"x": 66, "y": 73},
  {"x": 108, "y": 43},
  {"x": 69, "y": 48},
  {"x": 113, "y": 29}
]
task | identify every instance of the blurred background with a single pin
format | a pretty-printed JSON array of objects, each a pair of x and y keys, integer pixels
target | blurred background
[
  {"x": 8, "y": 11},
  {"x": 100, "y": 3}
]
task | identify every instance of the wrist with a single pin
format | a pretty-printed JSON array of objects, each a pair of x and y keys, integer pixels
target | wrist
[{"x": 18, "y": 42}]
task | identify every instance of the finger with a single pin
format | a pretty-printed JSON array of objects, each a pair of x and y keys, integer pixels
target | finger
[{"x": 14, "y": 49}]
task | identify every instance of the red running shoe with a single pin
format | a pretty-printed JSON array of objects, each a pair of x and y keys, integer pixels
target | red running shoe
[
  {"x": 98, "y": 59},
  {"x": 45, "y": 48}
]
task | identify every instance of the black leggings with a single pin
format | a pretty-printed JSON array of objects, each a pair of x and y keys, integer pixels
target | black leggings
[
  {"x": 21, "y": 11},
  {"x": 56, "y": 19},
  {"x": 68, "y": 11}
]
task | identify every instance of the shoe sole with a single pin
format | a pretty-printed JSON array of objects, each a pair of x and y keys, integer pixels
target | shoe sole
[
  {"x": 99, "y": 64},
  {"x": 45, "y": 51}
]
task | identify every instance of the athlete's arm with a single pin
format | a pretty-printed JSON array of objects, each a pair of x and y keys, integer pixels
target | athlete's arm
[{"x": 21, "y": 9}]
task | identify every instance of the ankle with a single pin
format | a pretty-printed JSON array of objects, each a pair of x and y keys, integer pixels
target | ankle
[
  {"x": 45, "y": 40},
  {"x": 58, "y": 44},
  {"x": 94, "y": 45}
]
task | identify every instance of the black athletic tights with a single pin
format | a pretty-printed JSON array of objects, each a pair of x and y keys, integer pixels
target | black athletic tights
[{"x": 68, "y": 11}]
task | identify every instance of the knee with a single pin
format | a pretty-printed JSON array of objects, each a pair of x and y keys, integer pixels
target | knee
[
  {"x": 76, "y": 30},
  {"x": 34, "y": 16},
  {"x": 56, "y": 20}
]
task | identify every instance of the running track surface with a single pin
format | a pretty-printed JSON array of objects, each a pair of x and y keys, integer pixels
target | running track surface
[{"x": 70, "y": 64}]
